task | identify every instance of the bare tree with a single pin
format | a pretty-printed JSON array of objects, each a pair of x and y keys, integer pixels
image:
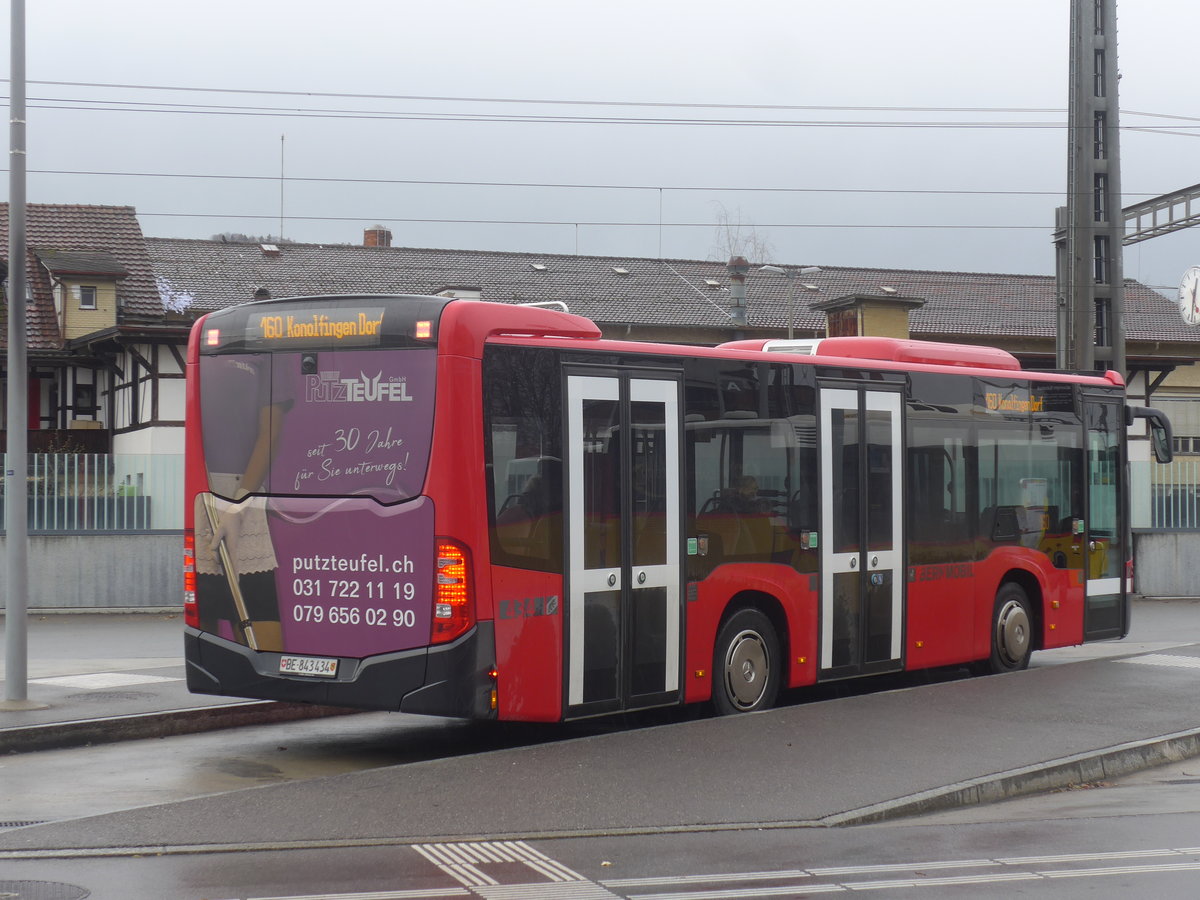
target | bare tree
[
  {"x": 736, "y": 237},
  {"x": 236, "y": 237}
]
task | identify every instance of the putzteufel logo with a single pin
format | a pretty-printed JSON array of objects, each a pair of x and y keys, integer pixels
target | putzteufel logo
[{"x": 331, "y": 387}]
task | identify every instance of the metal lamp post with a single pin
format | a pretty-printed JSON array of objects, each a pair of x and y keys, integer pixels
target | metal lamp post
[{"x": 791, "y": 286}]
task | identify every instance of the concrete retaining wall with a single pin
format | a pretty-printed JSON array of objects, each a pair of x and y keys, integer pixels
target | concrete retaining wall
[
  {"x": 1165, "y": 563},
  {"x": 102, "y": 571}
]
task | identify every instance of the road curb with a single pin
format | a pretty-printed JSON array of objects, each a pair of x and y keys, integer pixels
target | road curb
[
  {"x": 167, "y": 723},
  {"x": 1055, "y": 774}
]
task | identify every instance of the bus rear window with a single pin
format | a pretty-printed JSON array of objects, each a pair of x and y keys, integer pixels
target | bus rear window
[{"x": 323, "y": 423}]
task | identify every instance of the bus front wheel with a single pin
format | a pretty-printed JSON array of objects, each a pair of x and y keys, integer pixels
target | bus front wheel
[
  {"x": 1012, "y": 630},
  {"x": 746, "y": 664}
]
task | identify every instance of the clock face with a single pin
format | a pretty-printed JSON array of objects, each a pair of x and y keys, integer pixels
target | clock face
[{"x": 1189, "y": 296}]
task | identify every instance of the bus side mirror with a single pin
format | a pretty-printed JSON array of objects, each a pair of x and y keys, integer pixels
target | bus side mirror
[{"x": 1159, "y": 427}]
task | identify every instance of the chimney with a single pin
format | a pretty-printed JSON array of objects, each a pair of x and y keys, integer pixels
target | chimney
[
  {"x": 377, "y": 236},
  {"x": 869, "y": 315},
  {"x": 738, "y": 270}
]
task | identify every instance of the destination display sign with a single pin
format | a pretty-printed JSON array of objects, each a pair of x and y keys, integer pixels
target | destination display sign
[
  {"x": 345, "y": 327},
  {"x": 323, "y": 323}
]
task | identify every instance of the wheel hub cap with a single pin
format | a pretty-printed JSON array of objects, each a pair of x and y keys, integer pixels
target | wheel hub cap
[
  {"x": 1013, "y": 632},
  {"x": 746, "y": 668}
]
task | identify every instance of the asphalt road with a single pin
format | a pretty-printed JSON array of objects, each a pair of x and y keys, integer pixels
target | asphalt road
[
  {"x": 1130, "y": 838},
  {"x": 386, "y": 803}
]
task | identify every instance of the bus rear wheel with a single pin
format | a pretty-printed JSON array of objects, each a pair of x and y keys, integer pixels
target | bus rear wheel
[
  {"x": 746, "y": 664},
  {"x": 1012, "y": 630}
]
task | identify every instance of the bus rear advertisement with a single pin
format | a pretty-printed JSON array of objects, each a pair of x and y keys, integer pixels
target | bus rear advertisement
[{"x": 485, "y": 510}]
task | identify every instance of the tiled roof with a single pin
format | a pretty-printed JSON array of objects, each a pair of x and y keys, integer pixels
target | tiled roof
[
  {"x": 85, "y": 231},
  {"x": 81, "y": 262},
  {"x": 676, "y": 293}
]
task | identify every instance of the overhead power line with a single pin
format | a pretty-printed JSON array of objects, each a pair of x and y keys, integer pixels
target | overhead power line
[
  {"x": 74, "y": 105},
  {"x": 651, "y": 104},
  {"x": 558, "y": 222},
  {"x": 535, "y": 100},
  {"x": 81, "y": 104},
  {"x": 301, "y": 179}
]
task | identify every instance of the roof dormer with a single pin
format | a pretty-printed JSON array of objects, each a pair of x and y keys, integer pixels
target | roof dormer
[{"x": 85, "y": 284}]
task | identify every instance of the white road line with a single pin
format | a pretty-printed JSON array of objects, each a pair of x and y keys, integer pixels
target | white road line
[
  {"x": 904, "y": 867},
  {"x": 1124, "y": 870},
  {"x": 536, "y": 856},
  {"x": 575, "y": 890},
  {"x": 458, "y": 854},
  {"x": 489, "y": 852},
  {"x": 436, "y": 854},
  {"x": 702, "y": 879},
  {"x": 1089, "y": 857},
  {"x": 801, "y": 885},
  {"x": 461, "y": 861},
  {"x": 464, "y": 880},
  {"x": 552, "y": 871},
  {"x": 788, "y": 890},
  {"x": 1164, "y": 659},
  {"x": 98, "y": 681},
  {"x": 470, "y": 875},
  {"x": 997, "y": 878},
  {"x": 419, "y": 894}
]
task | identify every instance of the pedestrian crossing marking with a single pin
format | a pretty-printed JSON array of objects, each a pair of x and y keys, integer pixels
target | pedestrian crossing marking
[{"x": 467, "y": 864}]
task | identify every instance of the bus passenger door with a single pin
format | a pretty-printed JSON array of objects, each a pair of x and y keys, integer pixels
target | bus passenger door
[
  {"x": 862, "y": 532},
  {"x": 1106, "y": 611},
  {"x": 624, "y": 593}
]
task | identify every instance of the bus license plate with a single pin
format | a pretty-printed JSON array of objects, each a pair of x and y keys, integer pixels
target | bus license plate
[{"x": 308, "y": 665}]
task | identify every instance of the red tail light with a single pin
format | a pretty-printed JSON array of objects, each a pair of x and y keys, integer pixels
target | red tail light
[
  {"x": 453, "y": 604},
  {"x": 191, "y": 613}
]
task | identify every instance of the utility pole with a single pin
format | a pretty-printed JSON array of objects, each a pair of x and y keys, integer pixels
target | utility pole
[
  {"x": 1091, "y": 279},
  {"x": 16, "y": 612}
]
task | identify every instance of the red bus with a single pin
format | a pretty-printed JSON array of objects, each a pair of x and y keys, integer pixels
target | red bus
[{"x": 484, "y": 510}]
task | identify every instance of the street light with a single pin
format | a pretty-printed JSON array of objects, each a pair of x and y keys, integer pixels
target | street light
[{"x": 791, "y": 284}]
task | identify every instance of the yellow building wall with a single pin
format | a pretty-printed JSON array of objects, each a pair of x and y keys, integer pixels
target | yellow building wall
[
  {"x": 79, "y": 322},
  {"x": 884, "y": 321}
]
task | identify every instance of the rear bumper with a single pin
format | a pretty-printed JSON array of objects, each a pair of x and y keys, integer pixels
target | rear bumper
[{"x": 443, "y": 680}]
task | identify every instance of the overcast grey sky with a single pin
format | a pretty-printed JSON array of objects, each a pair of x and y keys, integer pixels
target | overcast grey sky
[{"x": 820, "y": 177}]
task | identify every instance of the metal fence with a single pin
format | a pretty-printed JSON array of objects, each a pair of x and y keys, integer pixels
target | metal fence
[
  {"x": 1175, "y": 495},
  {"x": 102, "y": 492},
  {"x": 122, "y": 492}
]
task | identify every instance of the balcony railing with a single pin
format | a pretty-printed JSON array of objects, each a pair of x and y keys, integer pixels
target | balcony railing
[{"x": 103, "y": 493}]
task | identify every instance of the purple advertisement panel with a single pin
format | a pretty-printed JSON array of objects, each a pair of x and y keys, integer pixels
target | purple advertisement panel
[
  {"x": 352, "y": 422},
  {"x": 353, "y": 578}
]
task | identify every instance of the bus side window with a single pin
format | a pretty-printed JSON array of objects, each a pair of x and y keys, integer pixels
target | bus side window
[{"x": 523, "y": 420}]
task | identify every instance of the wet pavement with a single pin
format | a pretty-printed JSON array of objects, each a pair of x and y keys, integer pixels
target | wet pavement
[
  {"x": 1079, "y": 715},
  {"x": 117, "y": 676}
]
